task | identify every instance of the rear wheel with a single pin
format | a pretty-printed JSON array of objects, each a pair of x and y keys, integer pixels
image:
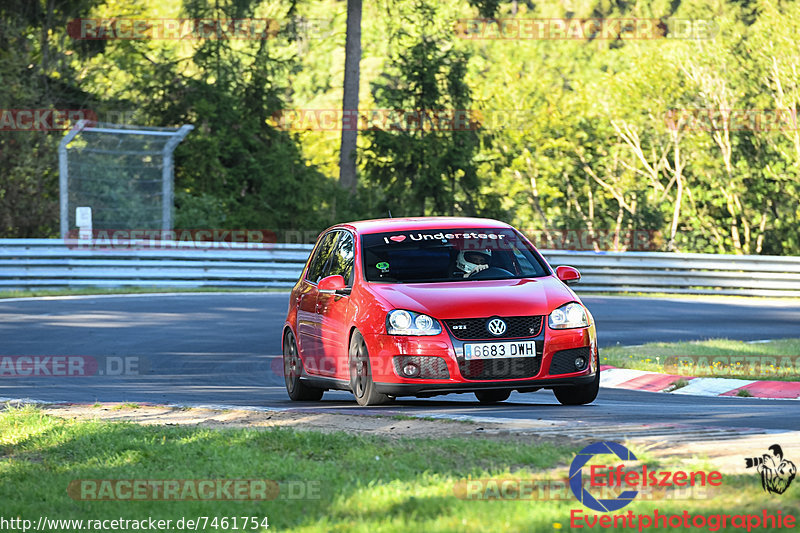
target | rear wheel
[
  {"x": 492, "y": 396},
  {"x": 578, "y": 394},
  {"x": 292, "y": 369},
  {"x": 361, "y": 374}
]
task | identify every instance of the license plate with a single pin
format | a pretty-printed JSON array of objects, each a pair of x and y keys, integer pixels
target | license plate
[{"x": 499, "y": 350}]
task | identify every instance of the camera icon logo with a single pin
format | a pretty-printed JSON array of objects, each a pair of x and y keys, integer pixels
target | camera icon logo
[{"x": 776, "y": 471}]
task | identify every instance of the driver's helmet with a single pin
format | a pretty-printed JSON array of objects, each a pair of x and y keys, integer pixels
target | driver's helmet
[{"x": 468, "y": 260}]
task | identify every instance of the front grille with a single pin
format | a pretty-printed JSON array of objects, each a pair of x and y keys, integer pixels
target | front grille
[
  {"x": 517, "y": 327},
  {"x": 429, "y": 367},
  {"x": 563, "y": 362},
  {"x": 507, "y": 368}
]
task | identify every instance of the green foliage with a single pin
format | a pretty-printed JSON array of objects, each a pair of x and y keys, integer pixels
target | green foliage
[
  {"x": 591, "y": 144},
  {"x": 235, "y": 170},
  {"x": 34, "y": 74},
  {"x": 594, "y": 133},
  {"x": 425, "y": 162}
]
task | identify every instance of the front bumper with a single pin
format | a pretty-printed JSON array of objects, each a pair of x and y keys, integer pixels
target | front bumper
[
  {"x": 521, "y": 385},
  {"x": 383, "y": 348}
]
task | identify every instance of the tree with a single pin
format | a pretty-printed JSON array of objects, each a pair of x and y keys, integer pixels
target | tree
[
  {"x": 347, "y": 154},
  {"x": 424, "y": 159},
  {"x": 35, "y": 73}
]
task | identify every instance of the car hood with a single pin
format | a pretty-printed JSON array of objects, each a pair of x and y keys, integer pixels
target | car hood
[{"x": 475, "y": 299}]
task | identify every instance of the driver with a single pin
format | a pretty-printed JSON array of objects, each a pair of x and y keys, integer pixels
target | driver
[{"x": 472, "y": 261}]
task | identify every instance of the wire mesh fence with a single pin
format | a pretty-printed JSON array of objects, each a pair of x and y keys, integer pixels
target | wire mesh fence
[{"x": 124, "y": 173}]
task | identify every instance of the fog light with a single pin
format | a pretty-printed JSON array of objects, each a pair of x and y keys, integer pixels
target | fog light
[
  {"x": 580, "y": 363},
  {"x": 411, "y": 370}
]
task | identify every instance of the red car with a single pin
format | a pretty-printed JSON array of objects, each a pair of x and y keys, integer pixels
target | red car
[{"x": 428, "y": 306}]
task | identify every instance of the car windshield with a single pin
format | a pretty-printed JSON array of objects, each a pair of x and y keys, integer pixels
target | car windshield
[{"x": 448, "y": 255}]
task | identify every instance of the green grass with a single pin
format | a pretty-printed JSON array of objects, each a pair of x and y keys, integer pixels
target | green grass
[
  {"x": 403, "y": 417},
  {"x": 677, "y": 384},
  {"x": 124, "y": 406},
  {"x": 777, "y": 360},
  {"x": 366, "y": 483},
  {"x": 426, "y": 418},
  {"x": 124, "y": 290}
]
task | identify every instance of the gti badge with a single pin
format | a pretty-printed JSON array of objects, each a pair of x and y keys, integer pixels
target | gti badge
[{"x": 496, "y": 327}]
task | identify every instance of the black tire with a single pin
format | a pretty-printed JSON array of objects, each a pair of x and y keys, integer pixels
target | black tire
[
  {"x": 361, "y": 374},
  {"x": 292, "y": 369},
  {"x": 492, "y": 396},
  {"x": 578, "y": 394}
]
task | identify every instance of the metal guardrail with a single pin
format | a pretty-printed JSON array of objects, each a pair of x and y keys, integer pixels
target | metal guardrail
[
  {"x": 51, "y": 263},
  {"x": 741, "y": 275},
  {"x": 39, "y": 263}
]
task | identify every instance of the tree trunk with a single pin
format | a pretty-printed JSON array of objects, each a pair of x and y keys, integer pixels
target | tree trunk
[
  {"x": 45, "y": 44},
  {"x": 352, "y": 57}
]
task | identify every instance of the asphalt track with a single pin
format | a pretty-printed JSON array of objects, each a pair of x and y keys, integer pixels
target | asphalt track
[{"x": 206, "y": 348}]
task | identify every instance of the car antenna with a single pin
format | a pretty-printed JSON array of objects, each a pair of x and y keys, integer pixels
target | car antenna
[{"x": 390, "y": 213}]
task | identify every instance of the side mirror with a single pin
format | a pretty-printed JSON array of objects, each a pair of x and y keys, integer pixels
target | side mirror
[
  {"x": 568, "y": 274},
  {"x": 332, "y": 285}
]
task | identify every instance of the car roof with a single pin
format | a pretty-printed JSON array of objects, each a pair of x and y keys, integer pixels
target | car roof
[{"x": 422, "y": 223}]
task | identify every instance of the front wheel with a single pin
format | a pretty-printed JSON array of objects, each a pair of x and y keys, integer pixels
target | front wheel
[
  {"x": 578, "y": 394},
  {"x": 292, "y": 369},
  {"x": 361, "y": 374}
]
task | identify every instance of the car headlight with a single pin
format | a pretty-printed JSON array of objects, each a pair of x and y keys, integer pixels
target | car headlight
[
  {"x": 401, "y": 322},
  {"x": 571, "y": 315}
]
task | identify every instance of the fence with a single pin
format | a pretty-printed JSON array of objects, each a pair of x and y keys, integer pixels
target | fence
[
  {"x": 50, "y": 263},
  {"x": 125, "y": 173}
]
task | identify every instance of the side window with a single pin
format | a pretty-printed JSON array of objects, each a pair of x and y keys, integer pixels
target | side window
[
  {"x": 343, "y": 258},
  {"x": 317, "y": 265}
]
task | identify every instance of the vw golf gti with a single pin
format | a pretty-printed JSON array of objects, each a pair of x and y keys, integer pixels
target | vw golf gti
[{"x": 436, "y": 305}]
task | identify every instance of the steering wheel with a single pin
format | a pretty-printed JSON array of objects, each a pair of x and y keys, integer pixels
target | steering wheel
[{"x": 491, "y": 272}]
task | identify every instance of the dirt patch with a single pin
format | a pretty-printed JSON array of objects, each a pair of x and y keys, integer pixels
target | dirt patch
[{"x": 386, "y": 426}]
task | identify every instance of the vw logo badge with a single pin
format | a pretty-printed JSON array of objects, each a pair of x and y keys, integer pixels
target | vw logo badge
[{"x": 496, "y": 327}]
